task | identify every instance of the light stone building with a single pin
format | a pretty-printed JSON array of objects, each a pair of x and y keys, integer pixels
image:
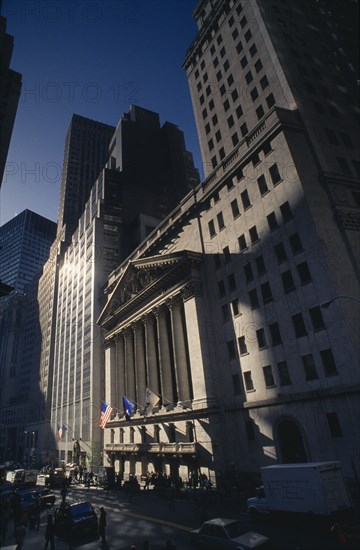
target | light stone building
[{"x": 219, "y": 311}]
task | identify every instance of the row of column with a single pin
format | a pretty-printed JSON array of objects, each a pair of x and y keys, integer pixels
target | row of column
[{"x": 151, "y": 352}]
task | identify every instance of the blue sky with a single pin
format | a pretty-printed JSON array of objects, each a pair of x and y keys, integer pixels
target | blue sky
[{"x": 94, "y": 58}]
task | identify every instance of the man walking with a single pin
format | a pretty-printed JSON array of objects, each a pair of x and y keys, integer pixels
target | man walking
[{"x": 102, "y": 525}]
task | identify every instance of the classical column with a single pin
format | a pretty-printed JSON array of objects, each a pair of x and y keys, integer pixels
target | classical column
[
  {"x": 120, "y": 365},
  {"x": 180, "y": 359},
  {"x": 198, "y": 345},
  {"x": 167, "y": 384},
  {"x": 151, "y": 358},
  {"x": 140, "y": 366},
  {"x": 129, "y": 364},
  {"x": 110, "y": 372}
]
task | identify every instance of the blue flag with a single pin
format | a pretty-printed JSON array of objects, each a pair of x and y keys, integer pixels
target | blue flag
[{"x": 128, "y": 408}]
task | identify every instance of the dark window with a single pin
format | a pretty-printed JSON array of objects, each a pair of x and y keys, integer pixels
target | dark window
[
  {"x": 328, "y": 362},
  {"x": 222, "y": 153},
  {"x": 295, "y": 243},
  {"x": 344, "y": 167},
  {"x": 243, "y": 61},
  {"x": 236, "y": 384},
  {"x": 208, "y": 90},
  {"x": 235, "y": 208},
  {"x": 261, "y": 339},
  {"x": 230, "y": 80},
  {"x": 334, "y": 424},
  {"x": 249, "y": 384},
  {"x": 243, "y": 22},
  {"x": 206, "y": 78},
  {"x": 239, "y": 113},
  {"x": 264, "y": 83},
  {"x": 202, "y": 65},
  {"x": 204, "y": 113},
  {"x": 218, "y": 136},
  {"x": 219, "y": 39},
  {"x": 214, "y": 120},
  {"x": 225, "y": 312},
  {"x": 254, "y": 94},
  {"x": 249, "y": 276},
  {"x": 253, "y": 50},
  {"x": 275, "y": 174},
  {"x": 286, "y": 212},
  {"x": 280, "y": 252},
  {"x": 226, "y": 105},
  {"x": 239, "y": 47},
  {"x": 263, "y": 188},
  {"x": 316, "y": 318},
  {"x": 260, "y": 112},
  {"x": 250, "y": 430},
  {"x": 245, "y": 199},
  {"x": 239, "y": 8},
  {"x": 235, "y": 139},
  {"x": 299, "y": 325},
  {"x": 214, "y": 161},
  {"x": 248, "y": 35},
  {"x": 258, "y": 66},
  {"x": 199, "y": 86},
  {"x": 229, "y": 184},
  {"x": 216, "y": 62},
  {"x": 231, "y": 21},
  {"x": 230, "y": 121},
  {"x": 221, "y": 288},
  {"x": 212, "y": 50},
  {"x": 288, "y": 281},
  {"x": 254, "y": 237},
  {"x": 197, "y": 73},
  {"x": 211, "y": 104},
  {"x": 231, "y": 349},
  {"x": 268, "y": 376},
  {"x": 249, "y": 77},
  {"x": 266, "y": 293},
  {"x": 309, "y": 367},
  {"x": 276, "y": 339},
  {"x": 211, "y": 144},
  {"x": 254, "y": 301},
  {"x": 202, "y": 99},
  {"x": 235, "y": 307},
  {"x": 212, "y": 228},
  {"x": 260, "y": 264},
  {"x": 227, "y": 255},
  {"x": 283, "y": 372},
  {"x": 242, "y": 345},
  {"x": 232, "y": 282},
  {"x": 270, "y": 100},
  {"x": 244, "y": 129},
  {"x": 255, "y": 159},
  {"x": 222, "y": 89},
  {"x": 272, "y": 221},
  {"x": 242, "y": 242},
  {"x": 226, "y": 65},
  {"x": 235, "y": 34},
  {"x": 216, "y": 197},
  {"x": 207, "y": 128},
  {"x": 234, "y": 95},
  {"x": 304, "y": 273},
  {"x": 220, "y": 220},
  {"x": 217, "y": 262},
  {"x": 222, "y": 52}
]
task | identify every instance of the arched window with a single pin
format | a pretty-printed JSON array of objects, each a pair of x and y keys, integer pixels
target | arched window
[{"x": 290, "y": 441}]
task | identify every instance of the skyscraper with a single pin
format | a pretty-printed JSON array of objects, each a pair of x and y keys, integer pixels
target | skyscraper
[{"x": 220, "y": 311}]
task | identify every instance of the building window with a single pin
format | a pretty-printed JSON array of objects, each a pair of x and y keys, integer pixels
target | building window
[
  {"x": 227, "y": 256},
  {"x": 275, "y": 174},
  {"x": 248, "y": 35},
  {"x": 221, "y": 289},
  {"x": 239, "y": 112},
  {"x": 316, "y": 318},
  {"x": 244, "y": 129},
  {"x": 222, "y": 52},
  {"x": 235, "y": 139},
  {"x": 254, "y": 237},
  {"x": 249, "y": 384},
  {"x": 260, "y": 112},
  {"x": 286, "y": 212},
  {"x": 268, "y": 376},
  {"x": 226, "y": 65},
  {"x": 122, "y": 435},
  {"x": 212, "y": 231},
  {"x": 280, "y": 252},
  {"x": 132, "y": 432},
  {"x": 222, "y": 153},
  {"x": 207, "y": 128},
  {"x": 270, "y": 100},
  {"x": 211, "y": 145},
  {"x": 202, "y": 100},
  {"x": 218, "y": 136},
  {"x": 249, "y": 77},
  {"x": 304, "y": 273},
  {"x": 283, "y": 372},
  {"x": 211, "y": 104},
  {"x": 243, "y": 61},
  {"x": 264, "y": 83},
  {"x": 217, "y": 261},
  {"x": 288, "y": 281},
  {"x": 239, "y": 47},
  {"x": 242, "y": 345},
  {"x": 272, "y": 221},
  {"x": 263, "y": 188},
  {"x": 242, "y": 243},
  {"x": 334, "y": 424},
  {"x": 218, "y": 76},
  {"x": 254, "y": 94},
  {"x": 231, "y": 349},
  {"x": 235, "y": 307},
  {"x": 226, "y": 106},
  {"x": 266, "y": 293},
  {"x": 222, "y": 89},
  {"x": 249, "y": 276},
  {"x": 214, "y": 161},
  {"x": 295, "y": 243},
  {"x": 250, "y": 430},
  {"x": 236, "y": 384},
  {"x": 232, "y": 282},
  {"x": 245, "y": 199},
  {"x": 230, "y": 121},
  {"x": 299, "y": 325},
  {"x": 261, "y": 339},
  {"x": 235, "y": 34},
  {"x": 235, "y": 208},
  {"x": 234, "y": 95},
  {"x": 254, "y": 301},
  {"x": 214, "y": 120},
  {"x": 258, "y": 66},
  {"x": 215, "y": 62},
  {"x": 275, "y": 334},
  {"x": 260, "y": 264},
  {"x": 309, "y": 367},
  {"x": 219, "y": 39},
  {"x": 243, "y": 22},
  {"x": 328, "y": 362}
]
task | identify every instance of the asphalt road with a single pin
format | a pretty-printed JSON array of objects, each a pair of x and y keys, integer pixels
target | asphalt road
[{"x": 147, "y": 517}]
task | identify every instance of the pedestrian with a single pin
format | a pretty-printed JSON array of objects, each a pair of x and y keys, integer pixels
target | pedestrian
[
  {"x": 102, "y": 524},
  {"x": 50, "y": 533},
  {"x": 20, "y": 533},
  {"x": 63, "y": 493}
]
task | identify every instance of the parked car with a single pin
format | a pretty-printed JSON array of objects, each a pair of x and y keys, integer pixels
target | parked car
[
  {"x": 223, "y": 533},
  {"x": 76, "y": 520},
  {"x": 47, "y": 497}
]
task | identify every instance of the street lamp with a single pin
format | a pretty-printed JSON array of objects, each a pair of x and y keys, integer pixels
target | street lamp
[{"x": 328, "y": 303}]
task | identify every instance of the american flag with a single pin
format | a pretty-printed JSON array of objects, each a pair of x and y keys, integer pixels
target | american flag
[{"x": 105, "y": 414}]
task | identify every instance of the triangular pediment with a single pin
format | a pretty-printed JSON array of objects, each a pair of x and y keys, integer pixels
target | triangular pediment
[{"x": 142, "y": 274}]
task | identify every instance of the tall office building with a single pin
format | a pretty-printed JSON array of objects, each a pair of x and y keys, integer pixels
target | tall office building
[
  {"x": 10, "y": 87},
  {"x": 148, "y": 170},
  {"x": 220, "y": 310},
  {"x": 25, "y": 245}
]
